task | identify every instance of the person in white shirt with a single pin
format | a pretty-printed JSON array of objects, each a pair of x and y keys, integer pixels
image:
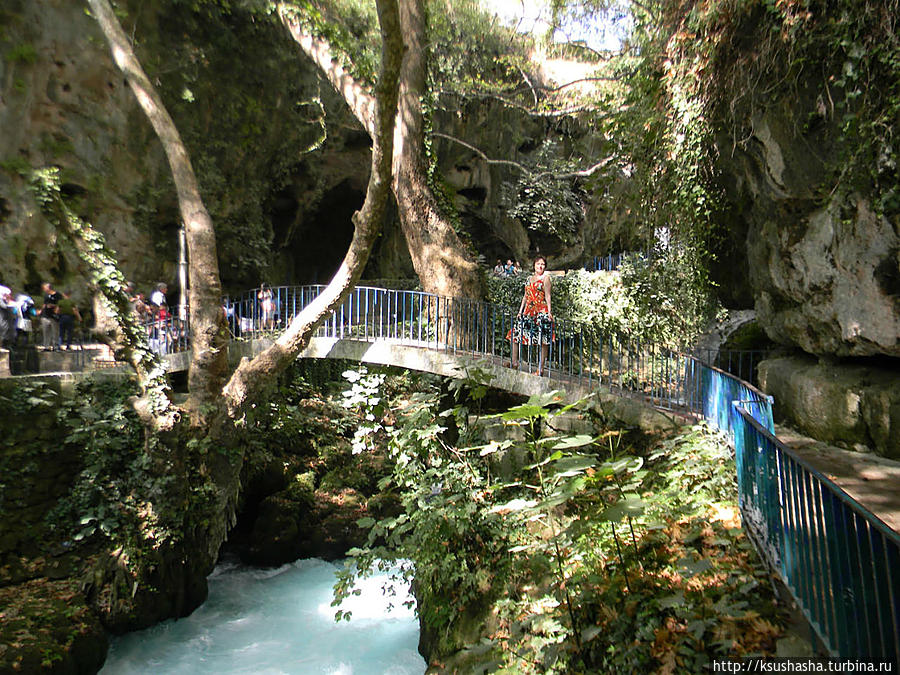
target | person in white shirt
[
  {"x": 158, "y": 297},
  {"x": 7, "y": 317},
  {"x": 25, "y": 309}
]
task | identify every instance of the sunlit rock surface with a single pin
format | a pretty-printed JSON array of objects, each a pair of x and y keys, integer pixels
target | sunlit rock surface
[{"x": 853, "y": 406}]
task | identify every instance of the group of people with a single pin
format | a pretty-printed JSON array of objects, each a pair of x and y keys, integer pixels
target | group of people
[
  {"x": 154, "y": 309},
  {"x": 510, "y": 269},
  {"x": 20, "y": 317},
  {"x": 58, "y": 315},
  {"x": 154, "y": 314}
]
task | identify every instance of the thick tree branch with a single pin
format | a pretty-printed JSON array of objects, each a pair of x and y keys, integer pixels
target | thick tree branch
[
  {"x": 530, "y": 86},
  {"x": 532, "y": 112},
  {"x": 130, "y": 342},
  {"x": 208, "y": 329},
  {"x": 487, "y": 160},
  {"x": 572, "y": 83},
  {"x": 361, "y": 102},
  {"x": 439, "y": 257}
]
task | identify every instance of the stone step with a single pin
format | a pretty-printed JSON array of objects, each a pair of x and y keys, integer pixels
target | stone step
[{"x": 31, "y": 360}]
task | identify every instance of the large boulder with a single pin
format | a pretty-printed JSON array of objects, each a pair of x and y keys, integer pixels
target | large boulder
[
  {"x": 830, "y": 284},
  {"x": 825, "y": 271},
  {"x": 851, "y": 406}
]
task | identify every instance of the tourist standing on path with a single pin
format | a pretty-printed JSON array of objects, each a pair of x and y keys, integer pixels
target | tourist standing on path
[
  {"x": 68, "y": 314},
  {"x": 7, "y": 317},
  {"x": 25, "y": 306},
  {"x": 49, "y": 318},
  {"x": 534, "y": 322},
  {"x": 158, "y": 297},
  {"x": 267, "y": 307},
  {"x": 139, "y": 308}
]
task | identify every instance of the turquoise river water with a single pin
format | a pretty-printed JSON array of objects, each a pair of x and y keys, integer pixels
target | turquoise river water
[{"x": 274, "y": 621}]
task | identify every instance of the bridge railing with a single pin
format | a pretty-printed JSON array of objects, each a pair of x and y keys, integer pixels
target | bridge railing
[
  {"x": 666, "y": 377},
  {"x": 168, "y": 334},
  {"x": 839, "y": 561}
]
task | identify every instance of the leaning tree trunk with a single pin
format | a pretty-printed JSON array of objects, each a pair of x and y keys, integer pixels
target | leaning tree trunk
[
  {"x": 209, "y": 358},
  {"x": 381, "y": 110},
  {"x": 439, "y": 257}
]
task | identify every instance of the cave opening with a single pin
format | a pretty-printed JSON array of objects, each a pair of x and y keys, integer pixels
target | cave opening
[{"x": 320, "y": 242}]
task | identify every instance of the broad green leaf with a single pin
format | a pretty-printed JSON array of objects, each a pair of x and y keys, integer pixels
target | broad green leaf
[
  {"x": 574, "y": 442},
  {"x": 513, "y": 506},
  {"x": 552, "y": 458},
  {"x": 590, "y": 633},
  {"x": 671, "y": 601},
  {"x": 524, "y": 412},
  {"x": 576, "y": 464},
  {"x": 546, "y": 398},
  {"x": 689, "y": 568},
  {"x": 523, "y": 547},
  {"x": 697, "y": 628},
  {"x": 630, "y": 506}
]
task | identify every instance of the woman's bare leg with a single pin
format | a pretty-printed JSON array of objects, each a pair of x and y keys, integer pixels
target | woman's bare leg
[{"x": 545, "y": 356}]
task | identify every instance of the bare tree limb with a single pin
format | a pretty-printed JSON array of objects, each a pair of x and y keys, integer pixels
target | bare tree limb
[
  {"x": 583, "y": 173},
  {"x": 547, "y": 114},
  {"x": 503, "y": 162},
  {"x": 530, "y": 86},
  {"x": 571, "y": 83},
  {"x": 362, "y": 103}
]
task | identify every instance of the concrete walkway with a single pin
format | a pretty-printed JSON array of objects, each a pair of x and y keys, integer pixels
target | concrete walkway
[{"x": 871, "y": 480}]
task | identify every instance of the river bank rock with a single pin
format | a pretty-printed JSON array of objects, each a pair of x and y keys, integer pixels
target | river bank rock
[
  {"x": 81, "y": 552},
  {"x": 47, "y": 626},
  {"x": 303, "y": 496},
  {"x": 853, "y": 406}
]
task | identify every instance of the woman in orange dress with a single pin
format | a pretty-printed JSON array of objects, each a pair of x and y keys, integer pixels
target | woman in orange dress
[{"x": 534, "y": 322}]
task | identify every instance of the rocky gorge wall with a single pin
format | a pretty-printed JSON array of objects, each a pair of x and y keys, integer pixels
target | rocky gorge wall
[
  {"x": 248, "y": 106},
  {"x": 821, "y": 235},
  {"x": 279, "y": 157}
]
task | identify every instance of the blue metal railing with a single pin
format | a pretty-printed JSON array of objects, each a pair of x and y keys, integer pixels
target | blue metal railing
[
  {"x": 168, "y": 334},
  {"x": 575, "y": 351},
  {"x": 606, "y": 263},
  {"x": 612, "y": 261},
  {"x": 742, "y": 363},
  {"x": 839, "y": 561}
]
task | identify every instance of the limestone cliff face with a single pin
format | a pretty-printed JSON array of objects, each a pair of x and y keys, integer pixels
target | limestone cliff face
[
  {"x": 512, "y": 135},
  {"x": 63, "y": 104},
  {"x": 825, "y": 272},
  {"x": 249, "y": 117},
  {"x": 823, "y": 265},
  {"x": 282, "y": 164},
  {"x": 822, "y": 259}
]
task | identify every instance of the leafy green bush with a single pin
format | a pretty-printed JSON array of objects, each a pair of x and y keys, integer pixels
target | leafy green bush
[
  {"x": 670, "y": 295},
  {"x": 595, "y": 556},
  {"x": 663, "y": 300}
]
